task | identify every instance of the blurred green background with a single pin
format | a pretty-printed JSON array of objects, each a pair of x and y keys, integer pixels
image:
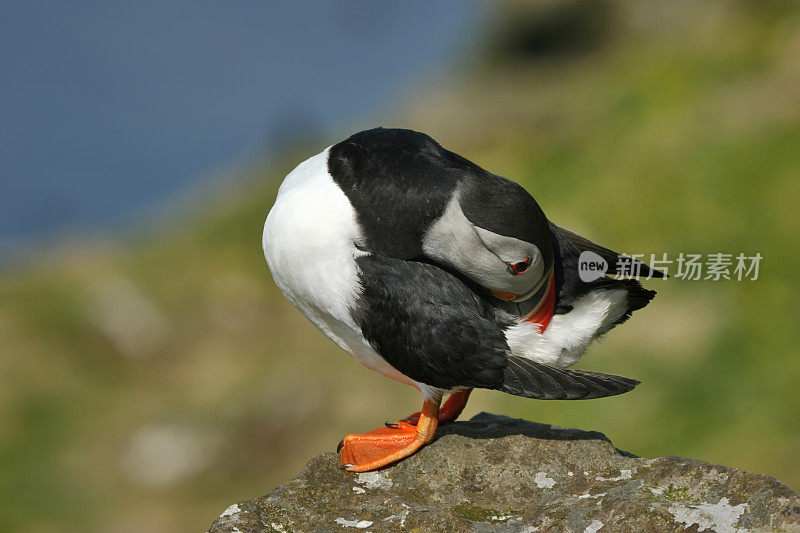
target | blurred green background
[{"x": 148, "y": 382}]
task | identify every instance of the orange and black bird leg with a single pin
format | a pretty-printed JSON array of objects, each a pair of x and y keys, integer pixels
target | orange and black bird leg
[
  {"x": 385, "y": 445},
  {"x": 450, "y": 410},
  {"x": 453, "y": 406}
]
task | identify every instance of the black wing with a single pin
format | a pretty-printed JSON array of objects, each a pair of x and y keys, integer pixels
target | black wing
[
  {"x": 524, "y": 377},
  {"x": 431, "y": 327},
  {"x": 568, "y": 247},
  {"x": 617, "y": 263}
]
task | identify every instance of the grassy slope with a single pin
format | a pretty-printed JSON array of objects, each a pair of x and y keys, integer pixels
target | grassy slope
[{"x": 679, "y": 140}]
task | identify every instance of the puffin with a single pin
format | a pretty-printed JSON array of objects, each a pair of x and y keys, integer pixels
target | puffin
[{"x": 436, "y": 273}]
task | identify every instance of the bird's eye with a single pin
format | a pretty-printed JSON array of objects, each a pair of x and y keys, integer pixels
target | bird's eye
[{"x": 522, "y": 266}]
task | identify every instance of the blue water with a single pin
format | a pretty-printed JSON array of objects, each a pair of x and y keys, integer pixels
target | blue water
[{"x": 107, "y": 107}]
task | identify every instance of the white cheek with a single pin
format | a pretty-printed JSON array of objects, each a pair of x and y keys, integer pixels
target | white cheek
[
  {"x": 480, "y": 254},
  {"x": 453, "y": 241}
]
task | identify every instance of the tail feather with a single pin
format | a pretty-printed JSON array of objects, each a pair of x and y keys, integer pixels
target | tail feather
[{"x": 524, "y": 377}]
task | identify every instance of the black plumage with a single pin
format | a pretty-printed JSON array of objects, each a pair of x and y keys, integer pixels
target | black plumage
[
  {"x": 570, "y": 286},
  {"x": 438, "y": 274},
  {"x": 616, "y": 261},
  {"x": 524, "y": 377},
  {"x": 433, "y": 328},
  {"x": 400, "y": 181},
  {"x": 429, "y": 325},
  {"x": 429, "y": 320}
]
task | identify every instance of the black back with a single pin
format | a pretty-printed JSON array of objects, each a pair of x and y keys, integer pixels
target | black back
[{"x": 400, "y": 181}]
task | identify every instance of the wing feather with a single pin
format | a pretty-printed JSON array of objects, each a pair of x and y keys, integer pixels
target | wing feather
[
  {"x": 616, "y": 262},
  {"x": 524, "y": 377}
]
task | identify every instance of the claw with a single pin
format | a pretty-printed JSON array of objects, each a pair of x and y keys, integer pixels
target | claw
[
  {"x": 345, "y": 467},
  {"x": 393, "y": 425}
]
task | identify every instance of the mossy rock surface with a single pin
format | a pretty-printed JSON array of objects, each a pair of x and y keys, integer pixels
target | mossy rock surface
[{"x": 494, "y": 473}]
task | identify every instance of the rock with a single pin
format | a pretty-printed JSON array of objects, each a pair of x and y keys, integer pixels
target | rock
[{"x": 496, "y": 473}]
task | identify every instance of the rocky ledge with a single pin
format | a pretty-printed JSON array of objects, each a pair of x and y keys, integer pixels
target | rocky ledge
[{"x": 496, "y": 473}]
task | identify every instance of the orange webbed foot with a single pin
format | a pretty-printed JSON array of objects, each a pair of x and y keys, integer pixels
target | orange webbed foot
[
  {"x": 388, "y": 444},
  {"x": 379, "y": 447}
]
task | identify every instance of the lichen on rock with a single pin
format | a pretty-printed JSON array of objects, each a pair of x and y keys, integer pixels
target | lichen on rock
[{"x": 495, "y": 473}]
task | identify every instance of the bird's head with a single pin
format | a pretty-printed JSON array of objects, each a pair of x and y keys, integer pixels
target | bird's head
[{"x": 494, "y": 233}]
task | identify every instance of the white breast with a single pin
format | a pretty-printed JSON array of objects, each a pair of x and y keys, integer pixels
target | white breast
[
  {"x": 566, "y": 338},
  {"x": 309, "y": 245}
]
